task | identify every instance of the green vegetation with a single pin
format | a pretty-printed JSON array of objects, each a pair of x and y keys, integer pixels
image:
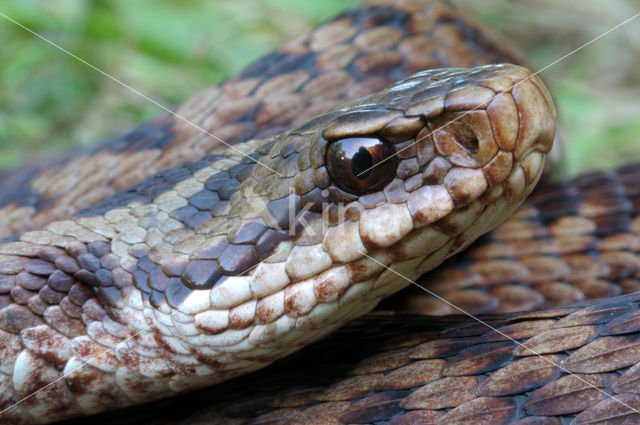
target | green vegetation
[
  {"x": 166, "y": 49},
  {"x": 596, "y": 89},
  {"x": 170, "y": 49}
]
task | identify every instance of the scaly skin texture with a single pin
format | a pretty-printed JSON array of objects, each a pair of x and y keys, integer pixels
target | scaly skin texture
[
  {"x": 413, "y": 369},
  {"x": 221, "y": 266},
  {"x": 356, "y": 54},
  {"x": 571, "y": 241},
  {"x": 406, "y": 370}
]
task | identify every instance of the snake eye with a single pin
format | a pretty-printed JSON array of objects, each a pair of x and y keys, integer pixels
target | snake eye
[{"x": 360, "y": 165}]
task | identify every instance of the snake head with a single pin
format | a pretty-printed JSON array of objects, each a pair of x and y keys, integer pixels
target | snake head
[
  {"x": 449, "y": 153},
  {"x": 387, "y": 187},
  {"x": 403, "y": 178}
]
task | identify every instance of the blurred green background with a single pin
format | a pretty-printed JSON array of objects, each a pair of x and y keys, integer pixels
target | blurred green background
[{"x": 170, "y": 49}]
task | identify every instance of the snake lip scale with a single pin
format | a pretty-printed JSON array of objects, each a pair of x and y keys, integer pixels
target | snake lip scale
[{"x": 147, "y": 265}]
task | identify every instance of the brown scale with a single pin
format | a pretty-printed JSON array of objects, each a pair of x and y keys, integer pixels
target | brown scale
[{"x": 570, "y": 241}]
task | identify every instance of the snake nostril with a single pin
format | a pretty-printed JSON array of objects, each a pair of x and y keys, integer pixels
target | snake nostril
[{"x": 467, "y": 138}]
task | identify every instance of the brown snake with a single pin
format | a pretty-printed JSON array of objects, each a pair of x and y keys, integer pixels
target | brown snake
[{"x": 190, "y": 279}]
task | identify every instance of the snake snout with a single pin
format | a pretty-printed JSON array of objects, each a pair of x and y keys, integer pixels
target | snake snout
[
  {"x": 523, "y": 120},
  {"x": 497, "y": 124}
]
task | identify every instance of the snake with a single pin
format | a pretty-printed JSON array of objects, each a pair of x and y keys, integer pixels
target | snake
[{"x": 163, "y": 261}]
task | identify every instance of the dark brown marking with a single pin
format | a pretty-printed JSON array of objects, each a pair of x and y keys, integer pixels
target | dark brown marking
[
  {"x": 201, "y": 274},
  {"x": 237, "y": 259},
  {"x": 176, "y": 292}
]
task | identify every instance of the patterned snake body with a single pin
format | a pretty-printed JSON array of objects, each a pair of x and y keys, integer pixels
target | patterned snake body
[{"x": 207, "y": 268}]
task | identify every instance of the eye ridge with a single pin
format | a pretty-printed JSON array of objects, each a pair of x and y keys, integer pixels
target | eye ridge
[{"x": 360, "y": 165}]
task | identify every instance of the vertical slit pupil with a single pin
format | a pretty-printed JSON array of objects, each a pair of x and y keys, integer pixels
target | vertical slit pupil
[{"x": 361, "y": 163}]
